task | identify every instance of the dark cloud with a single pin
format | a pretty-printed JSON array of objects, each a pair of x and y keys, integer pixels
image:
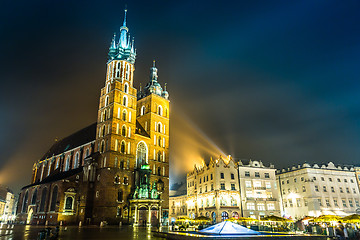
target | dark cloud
[{"x": 276, "y": 81}]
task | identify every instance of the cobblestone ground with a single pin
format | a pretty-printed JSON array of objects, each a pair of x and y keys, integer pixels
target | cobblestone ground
[{"x": 22, "y": 232}]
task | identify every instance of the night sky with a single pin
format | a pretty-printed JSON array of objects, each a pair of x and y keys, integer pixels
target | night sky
[{"x": 276, "y": 81}]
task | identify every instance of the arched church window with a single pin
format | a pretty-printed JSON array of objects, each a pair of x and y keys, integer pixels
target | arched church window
[
  {"x": 76, "y": 164},
  {"x": 159, "y": 141},
  {"x": 118, "y": 70},
  {"x": 160, "y": 110},
  {"x": 69, "y": 203},
  {"x": 122, "y": 147},
  {"x": 142, "y": 111},
  {"x": 117, "y": 179},
  {"x": 141, "y": 154},
  {"x": 126, "y": 180},
  {"x": 127, "y": 72},
  {"x": 87, "y": 153},
  {"x": 43, "y": 200},
  {"x": 124, "y": 115},
  {"x": 25, "y": 202},
  {"x": 103, "y": 130},
  {"x": 120, "y": 196},
  {"x": 122, "y": 164},
  {"x": 67, "y": 163},
  {"x": 108, "y": 88},
  {"x": 123, "y": 131},
  {"x": 106, "y": 101},
  {"x": 102, "y": 146},
  {"x": 126, "y": 88},
  {"x": 34, "y": 197},
  {"x": 125, "y": 102},
  {"x": 54, "y": 198}
]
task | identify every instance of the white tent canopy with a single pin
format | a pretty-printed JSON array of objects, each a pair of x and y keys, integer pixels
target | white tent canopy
[{"x": 227, "y": 227}]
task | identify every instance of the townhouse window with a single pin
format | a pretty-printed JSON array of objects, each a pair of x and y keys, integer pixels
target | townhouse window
[
  {"x": 330, "y": 179},
  {"x": 271, "y": 206},
  {"x": 290, "y": 203},
  {"x": 327, "y": 201},
  {"x": 257, "y": 174},
  {"x": 314, "y": 178},
  {"x": 341, "y": 189},
  {"x": 338, "y": 180},
  {"x": 294, "y": 179},
  {"x": 332, "y": 189},
  {"x": 303, "y": 188},
  {"x": 302, "y": 179},
  {"x": 344, "y": 203},
  {"x": 282, "y": 182},
  {"x": 268, "y": 185},
  {"x": 320, "y": 203},
  {"x": 298, "y": 202},
  {"x": 207, "y": 178},
  {"x": 200, "y": 190},
  {"x": 352, "y": 181},
  {"x": 351, "y": 203},
  {"x": 205, "y": 188},
  {"x": 347, "y": 190},
  {"x": 248, "y": 184},
  {"x": 335, "y": 202},
  {"x": 357, "y": 203},
  {"x": 267, "y": 175},
  {"x": 322, "y": 179},
  {"x": 211, "y": 177},
  {"x": 200, "y": 180},
  {"x": 222, "y": 175},
  {"x": 247, "y": 174},
  {"x": 233, "y": 186},
  {"x": 305, "y": 203},
  {"x": 287, "y": 181},
  {"x": 232, "y": 176},
  {"x": 316, "y": 188},
  {"x": 222, "y": 186},
  {"x": 345, "y": 180},
  {"x": 212, "y": 187},
  {"x": 354, "y": 191},
  {"x": 250, "y": 206},
  {"x": 261, "y": 206},
  {"x": 324, "y": 189}
]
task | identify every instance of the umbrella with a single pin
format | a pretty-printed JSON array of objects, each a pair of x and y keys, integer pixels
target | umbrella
[
  {"x": 275, "y": 219},
  {"x": 352, "y": 218},
  {"x": 202, "y": 218},
  {"x": 242, "y": 219},
  {"x": 327, "y": 218}
]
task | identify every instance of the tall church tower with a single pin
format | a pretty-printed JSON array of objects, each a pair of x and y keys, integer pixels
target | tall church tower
[{"x": 132, "y": 176}]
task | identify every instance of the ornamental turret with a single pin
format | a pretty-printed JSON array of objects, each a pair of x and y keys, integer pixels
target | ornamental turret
[
  {"x": 124, "y": 49},
  {"x": 153, "y": 85}
]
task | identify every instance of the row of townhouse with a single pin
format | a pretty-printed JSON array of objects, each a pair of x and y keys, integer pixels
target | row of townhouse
[{"x": 226, "y": 189}]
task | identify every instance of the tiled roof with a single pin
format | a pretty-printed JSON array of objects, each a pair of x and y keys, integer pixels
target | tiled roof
[
  {"x": 57, "y": 176},
  {"x": 76, "y": 139}
]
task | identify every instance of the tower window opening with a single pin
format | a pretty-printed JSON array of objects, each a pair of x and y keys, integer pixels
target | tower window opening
[
  {"x": 159, "y": 127},
  {"x": 106, "y": 101},
  {"x": 123, "y": 131},
  {"x": 125, "y": 102},
  {"x": 122, "y": 147},
  {"x": 124, "y": 115},
  {"x": 120, "y": 196},
  {"x": 126, "y": 88},
  {"x": 141, "y": 154},
  {"x": 142, "y": 111},
  {"x": 160, "y": 110},
  {"x": 127, "y": 72}
]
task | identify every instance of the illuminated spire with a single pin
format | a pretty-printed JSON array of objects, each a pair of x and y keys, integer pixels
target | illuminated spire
[
  {"x": 113, "y": 42},
  {"x": 124, "y": 23}
]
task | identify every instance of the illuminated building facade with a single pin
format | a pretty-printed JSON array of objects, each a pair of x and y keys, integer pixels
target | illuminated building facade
[
  {"x": 313, "y": 190},
  {"x": 259, "y": 190},
  {"x": 7, "y": 204},
  {"x": 213, "y": 190},
  {"x": 115, "y": 170}
]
